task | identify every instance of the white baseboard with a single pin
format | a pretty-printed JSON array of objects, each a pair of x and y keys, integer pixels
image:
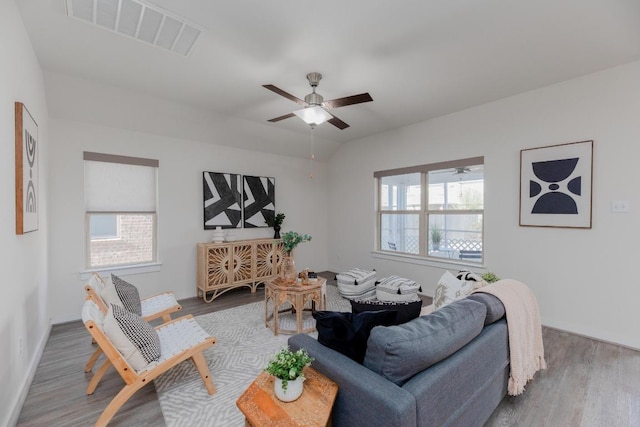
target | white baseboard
[{"x": 12, "y": 419}]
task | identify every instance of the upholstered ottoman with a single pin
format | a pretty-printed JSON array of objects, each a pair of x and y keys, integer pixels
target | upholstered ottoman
[
  {"x": 357, "y": 284},
  {"x": 394, "y": 288}
]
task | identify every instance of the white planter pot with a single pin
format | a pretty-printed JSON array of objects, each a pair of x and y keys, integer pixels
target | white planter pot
[{"x": 294, "y": 389}]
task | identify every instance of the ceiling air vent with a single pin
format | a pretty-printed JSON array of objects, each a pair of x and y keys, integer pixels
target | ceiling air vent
[{"x": 141, "y": 21}]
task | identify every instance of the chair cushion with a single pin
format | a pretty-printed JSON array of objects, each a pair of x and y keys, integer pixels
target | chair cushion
[
  {"x": 394, "y": 288},
  {"x": 135, "y": 339},
  {"x": 347, "y": 333},
  {"x": 128, "y": 294},
  {"x": 406, "y": 310},
  {"x": 399, "y": 352}
]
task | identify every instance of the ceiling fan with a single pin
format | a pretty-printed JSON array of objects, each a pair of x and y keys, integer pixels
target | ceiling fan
[
  {"x": 461, "y": 170},
  {"x": 316, "y": 109}
]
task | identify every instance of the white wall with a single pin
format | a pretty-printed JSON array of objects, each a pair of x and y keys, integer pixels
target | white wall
[
  {"x": 24, "y": 323},
  {"x": 584, "y": 279},
  {"x": 303, "y": 200}
]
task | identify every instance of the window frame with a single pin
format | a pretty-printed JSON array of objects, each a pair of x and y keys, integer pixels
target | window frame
[{"x": 425, "y": 212}]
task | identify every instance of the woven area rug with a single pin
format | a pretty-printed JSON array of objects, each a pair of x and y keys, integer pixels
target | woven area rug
[{"x": 243, "y": 349}]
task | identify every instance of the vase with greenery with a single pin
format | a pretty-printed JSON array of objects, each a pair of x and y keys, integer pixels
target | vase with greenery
[
  {"x": 290, "y": 240},
  {"x": 287, "y": 367},
  {"x": 275, "y": 221}
]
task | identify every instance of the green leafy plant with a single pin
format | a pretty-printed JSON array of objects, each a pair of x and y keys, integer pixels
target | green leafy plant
[
  {"x": 436, "y": 235},
  {"x": 490, "y": 277},
  {"x": 291, "y": 239},
  {"x": 275, "y": 220},
  {"x": 287, "y": 365}
]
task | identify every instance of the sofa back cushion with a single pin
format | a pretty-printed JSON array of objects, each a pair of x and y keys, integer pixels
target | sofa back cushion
[
  {"x": 495, "y": 309},
  {"x": 399, "y": 352}
]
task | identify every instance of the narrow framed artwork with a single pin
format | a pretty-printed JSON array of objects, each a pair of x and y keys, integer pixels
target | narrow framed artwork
[
  {"x": 556, "y": 185},
  {"x": 222, "y": 200},
  {"x": 259, "y": 200},
  {"x": 26, "y": 146}
]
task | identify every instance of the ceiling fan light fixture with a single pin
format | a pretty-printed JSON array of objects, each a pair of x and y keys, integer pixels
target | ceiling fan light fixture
[{"x": 314, "y": 115}]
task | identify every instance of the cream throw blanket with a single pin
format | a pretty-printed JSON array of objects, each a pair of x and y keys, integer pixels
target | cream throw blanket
[{"x": 525, "y": 331}]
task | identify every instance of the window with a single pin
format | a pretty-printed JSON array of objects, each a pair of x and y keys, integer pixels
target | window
[
  {"x": 433, "y": 210},
  {"x": 120, "y": 199}
]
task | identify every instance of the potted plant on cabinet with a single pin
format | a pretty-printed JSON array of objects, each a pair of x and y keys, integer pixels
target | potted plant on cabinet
[
  {"x": 275, "y": 221},
  {"x": 286, "y": 366}
]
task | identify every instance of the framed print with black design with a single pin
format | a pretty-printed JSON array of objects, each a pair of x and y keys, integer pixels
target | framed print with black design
[
  {"x": 259, "y": 200},
  {"x": 27, "y": 205},
  {"x": 555, "y": 185},
  {"x": 222, "y": 200}
]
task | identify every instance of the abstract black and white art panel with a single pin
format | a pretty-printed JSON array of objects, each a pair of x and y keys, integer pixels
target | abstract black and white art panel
[
  {"x": 222, "y": 200},
  {"x": 26, "y": 147},
  {"x": 555, "y": 185},
  {"x": 259, "y": 200}
]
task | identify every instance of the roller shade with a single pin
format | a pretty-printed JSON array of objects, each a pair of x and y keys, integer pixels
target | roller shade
[{"x": 119, "y": 183}]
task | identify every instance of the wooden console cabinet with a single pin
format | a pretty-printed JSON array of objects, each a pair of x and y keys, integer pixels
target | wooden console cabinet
[{"x": 229, "y": 265}]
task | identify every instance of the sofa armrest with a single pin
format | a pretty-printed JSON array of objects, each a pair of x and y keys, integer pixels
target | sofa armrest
[{"x": 364, "y": 397}]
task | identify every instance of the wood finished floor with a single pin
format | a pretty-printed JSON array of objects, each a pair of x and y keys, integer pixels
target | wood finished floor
[{"x": 587, "y": 383}]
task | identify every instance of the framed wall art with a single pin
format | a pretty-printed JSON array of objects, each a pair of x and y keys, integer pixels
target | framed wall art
[
  {"x": 556, "y": 185},
  {"x": 259, "y": 200},
  {"x": 222, "y": 200},
  {"x": 27, "y": 205}
]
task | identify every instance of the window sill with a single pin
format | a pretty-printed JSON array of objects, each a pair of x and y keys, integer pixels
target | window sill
[
  {"x": 123, "y": 270},
  {"x": 431, "y": 262}
]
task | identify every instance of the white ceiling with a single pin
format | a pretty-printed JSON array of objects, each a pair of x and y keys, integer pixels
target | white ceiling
[{"x": 418, "y": 59}]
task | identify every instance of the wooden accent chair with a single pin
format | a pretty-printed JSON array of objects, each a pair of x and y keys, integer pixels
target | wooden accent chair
[
  {"x": 180, "y": 339},
  {"x": 154, "y": 307}
]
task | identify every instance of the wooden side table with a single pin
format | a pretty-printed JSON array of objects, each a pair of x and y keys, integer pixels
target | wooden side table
[
  {"x": 298, "y": 295},
  {"x": 262, "y": 408}
]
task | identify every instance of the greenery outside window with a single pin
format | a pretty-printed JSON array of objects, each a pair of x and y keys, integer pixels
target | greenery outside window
[{"x": 433, "y": 211}]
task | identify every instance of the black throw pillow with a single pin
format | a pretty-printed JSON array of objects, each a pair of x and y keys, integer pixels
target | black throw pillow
[
  {"x": 406, "y": 310},
  {"x": 348, "y": 333}
]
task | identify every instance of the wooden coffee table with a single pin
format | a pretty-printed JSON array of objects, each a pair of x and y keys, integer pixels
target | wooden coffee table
[
  {"x": 298, "y": 295},
  {"x": 262, "y": 408}
]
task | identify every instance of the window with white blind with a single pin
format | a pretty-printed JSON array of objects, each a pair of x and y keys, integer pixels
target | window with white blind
[
  {"x": 120, "y": 205},
  {"x": 433, "y": 211}
]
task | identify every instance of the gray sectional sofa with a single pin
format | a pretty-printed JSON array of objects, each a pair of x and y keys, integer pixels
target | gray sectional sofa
[{"x": 449, "y": 368}]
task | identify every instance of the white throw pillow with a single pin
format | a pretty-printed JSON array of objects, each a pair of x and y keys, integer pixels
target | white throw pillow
[
  {"x": 135, "y": 339},
  {"x": 110, "y": 296},
  {"x": 451, "y": 289}
]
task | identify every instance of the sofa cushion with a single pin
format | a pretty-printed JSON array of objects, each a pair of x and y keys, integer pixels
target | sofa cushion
[
  {"x": 128, "y": 294},
  {"x": 495, "y": 309},
  {"x": 469, "y": 276},
  {"x": 394, "y": 288},
  {"x": 347, "y": 333},
  {"x": 406, "y": 310},
  {"x": 399, "y": 352},
  {"x": 451, "y": 289}
]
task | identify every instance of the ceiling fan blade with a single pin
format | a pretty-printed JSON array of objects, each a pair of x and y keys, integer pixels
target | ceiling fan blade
[
  {"x": 348, "y": 100},
  {"x": 277, "y": 119},
  {"x": 283, "y": 93},
  {"x": 337, "y": 122}
]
